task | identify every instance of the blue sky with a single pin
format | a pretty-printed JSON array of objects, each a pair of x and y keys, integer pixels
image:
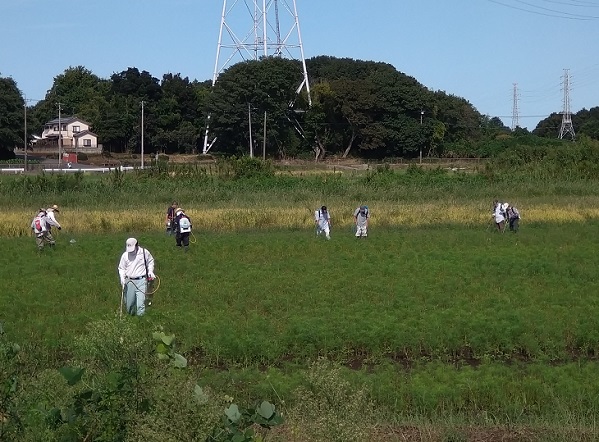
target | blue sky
[{"x": 475, "y": 49}]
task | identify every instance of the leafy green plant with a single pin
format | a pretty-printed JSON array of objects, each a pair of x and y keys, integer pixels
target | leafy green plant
[
  {"x": 102, "y": 410},
  {"x": 238, "y": 424},
  {"x": 165, "y": 349}
]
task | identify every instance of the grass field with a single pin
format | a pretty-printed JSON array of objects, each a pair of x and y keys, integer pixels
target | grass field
[
  {"x": 434, "y": 328},
  {"x": 447, "y": 323}
]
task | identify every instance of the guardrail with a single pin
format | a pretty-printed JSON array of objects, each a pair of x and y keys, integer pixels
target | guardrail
[
  {"x": 71, "y": 170},
  {"x": 12, "y": 169}
]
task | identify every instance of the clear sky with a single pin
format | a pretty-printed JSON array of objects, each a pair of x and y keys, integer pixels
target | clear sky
[{"x": 474, "y": 49}]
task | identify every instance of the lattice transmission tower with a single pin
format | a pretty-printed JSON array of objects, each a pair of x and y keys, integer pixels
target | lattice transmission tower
[
  {"x": 515, "y": 115},
  {"x": 252, "y": 29},
  {"x": 567, "y": 127}
]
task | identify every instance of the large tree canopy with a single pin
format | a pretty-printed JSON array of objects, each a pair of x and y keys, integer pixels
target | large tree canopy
[
  {"x": 11, "y": 118},
  {"x": 359, "y": 108}
]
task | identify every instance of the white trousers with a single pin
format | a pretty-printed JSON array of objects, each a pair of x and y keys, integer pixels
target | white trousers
[
  {"x": 326, "y": 229},
  {"x": 361, "y": 231}
]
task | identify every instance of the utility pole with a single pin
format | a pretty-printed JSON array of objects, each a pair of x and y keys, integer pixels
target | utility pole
[
  {"x": 25, "y": 134},
  {"x": 567, "y": 127},
  {"x": 264, "y": 139},
  {"x": 142, "y": 135},
  {"x": 59, "y": 136},
  {"x": 250, "y": 126},
  {"x": 515, "y": 116},
  {"x": 421, "y": 116}
]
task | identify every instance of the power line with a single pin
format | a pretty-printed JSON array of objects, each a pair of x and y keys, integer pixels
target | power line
[
  {"x": 576, "y": 5},
  {"x": 558, "y": 15},
  {"x": 584, "y": 17}
]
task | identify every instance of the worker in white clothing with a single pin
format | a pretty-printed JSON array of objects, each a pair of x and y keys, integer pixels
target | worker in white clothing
[
  {"x": 136, "y": 268},
  {"x": 41, "y": 228},
  {"x": 322, "y": 218},
  {"x": 499, "y": 214},
  {"x": 51, "y": 214},
  {"x": 361, "y": 218}
]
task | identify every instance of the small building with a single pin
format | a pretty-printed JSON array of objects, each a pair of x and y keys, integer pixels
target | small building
[{"x": 75, "y": 133}]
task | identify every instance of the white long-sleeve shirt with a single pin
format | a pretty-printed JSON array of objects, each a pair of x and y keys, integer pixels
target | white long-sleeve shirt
[
  {"x": 499, "y": 213},
  {"x": 132, "y": 264},
  {"x": 323, "y": 219},
  {"x": 52, "y": 218}
]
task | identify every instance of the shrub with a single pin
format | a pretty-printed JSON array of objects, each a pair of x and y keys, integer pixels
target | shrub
[
  {"x": 329, "y": 408},
  {"x": 245, "y": 167},
  {"x": 82, "y": 156}
]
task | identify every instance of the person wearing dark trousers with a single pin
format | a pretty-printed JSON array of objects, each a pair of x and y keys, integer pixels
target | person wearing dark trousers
[
  {"x": 513, "y": 217},
  {"x": 170, "y": 216},
  {"x": 183, "y": 226}
]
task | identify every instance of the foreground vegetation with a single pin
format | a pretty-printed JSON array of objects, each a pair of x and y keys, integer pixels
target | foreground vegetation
[{"x": 434, "y": 328}]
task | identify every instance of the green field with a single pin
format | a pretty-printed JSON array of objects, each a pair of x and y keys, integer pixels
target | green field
[{"x": 435, "y": 328}]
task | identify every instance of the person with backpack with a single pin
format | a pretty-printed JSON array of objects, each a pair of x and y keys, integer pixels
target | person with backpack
[
  {"x": 170, "y": 216},
  {"x": 183, "y": 226},
  {"x": 513, "y": 216},
  {"x": 40, "y": 226},
  {"x": 136, "y": 268},
  {"x": 361, "y": 217},
  {"x": 322, "y": 219}
]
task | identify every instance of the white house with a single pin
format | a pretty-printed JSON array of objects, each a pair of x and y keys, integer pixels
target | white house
[{"x": 75, "y": 133}]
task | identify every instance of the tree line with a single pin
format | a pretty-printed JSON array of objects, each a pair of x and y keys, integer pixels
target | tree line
[{"x": 359, "y": 108}]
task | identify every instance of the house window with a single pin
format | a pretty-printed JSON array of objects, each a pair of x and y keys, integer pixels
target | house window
[
  {"x": 64, "y": 127},
  {"x": 87, "y": 142},
  {"x": 56, "y": 128},
  {"x": 76, "y": 129}
]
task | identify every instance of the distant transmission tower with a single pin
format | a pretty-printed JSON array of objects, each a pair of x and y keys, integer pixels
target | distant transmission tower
[
  {"x": 515, "y": 117},
  {"x": 566, "y": 127},
  {"x": 251, "y": 29}
]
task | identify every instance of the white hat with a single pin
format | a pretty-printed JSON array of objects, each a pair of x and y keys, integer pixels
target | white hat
[
  {"x": 179, "y": 211},
  {"x": 130, "y": 244},
  {"x": 55, "y": 208}
]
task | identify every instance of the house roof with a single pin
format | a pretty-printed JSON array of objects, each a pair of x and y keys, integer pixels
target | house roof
[
  {"x": 85, "y": 132},
  {"x": 67, "y": 120}
]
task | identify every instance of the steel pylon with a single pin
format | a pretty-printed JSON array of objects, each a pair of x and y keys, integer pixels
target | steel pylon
[
  {"x": 252, "y": 29},
  {"x": 566, "y": 127}
]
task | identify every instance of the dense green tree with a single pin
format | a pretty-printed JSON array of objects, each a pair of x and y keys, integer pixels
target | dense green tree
[
  {"x": 586, "y": 122},
  {"x": 11, "y": 117},
  {"x": 178, "y": 113},
  {"x": 549, "y": 127},
  {"x": 120, "y": 127},
  {"x": 322, "y": 122},
  {"x": 248, "y": 90},
  {"x": 377, "y": 111},
  {"x": 78, "y": 92}
]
